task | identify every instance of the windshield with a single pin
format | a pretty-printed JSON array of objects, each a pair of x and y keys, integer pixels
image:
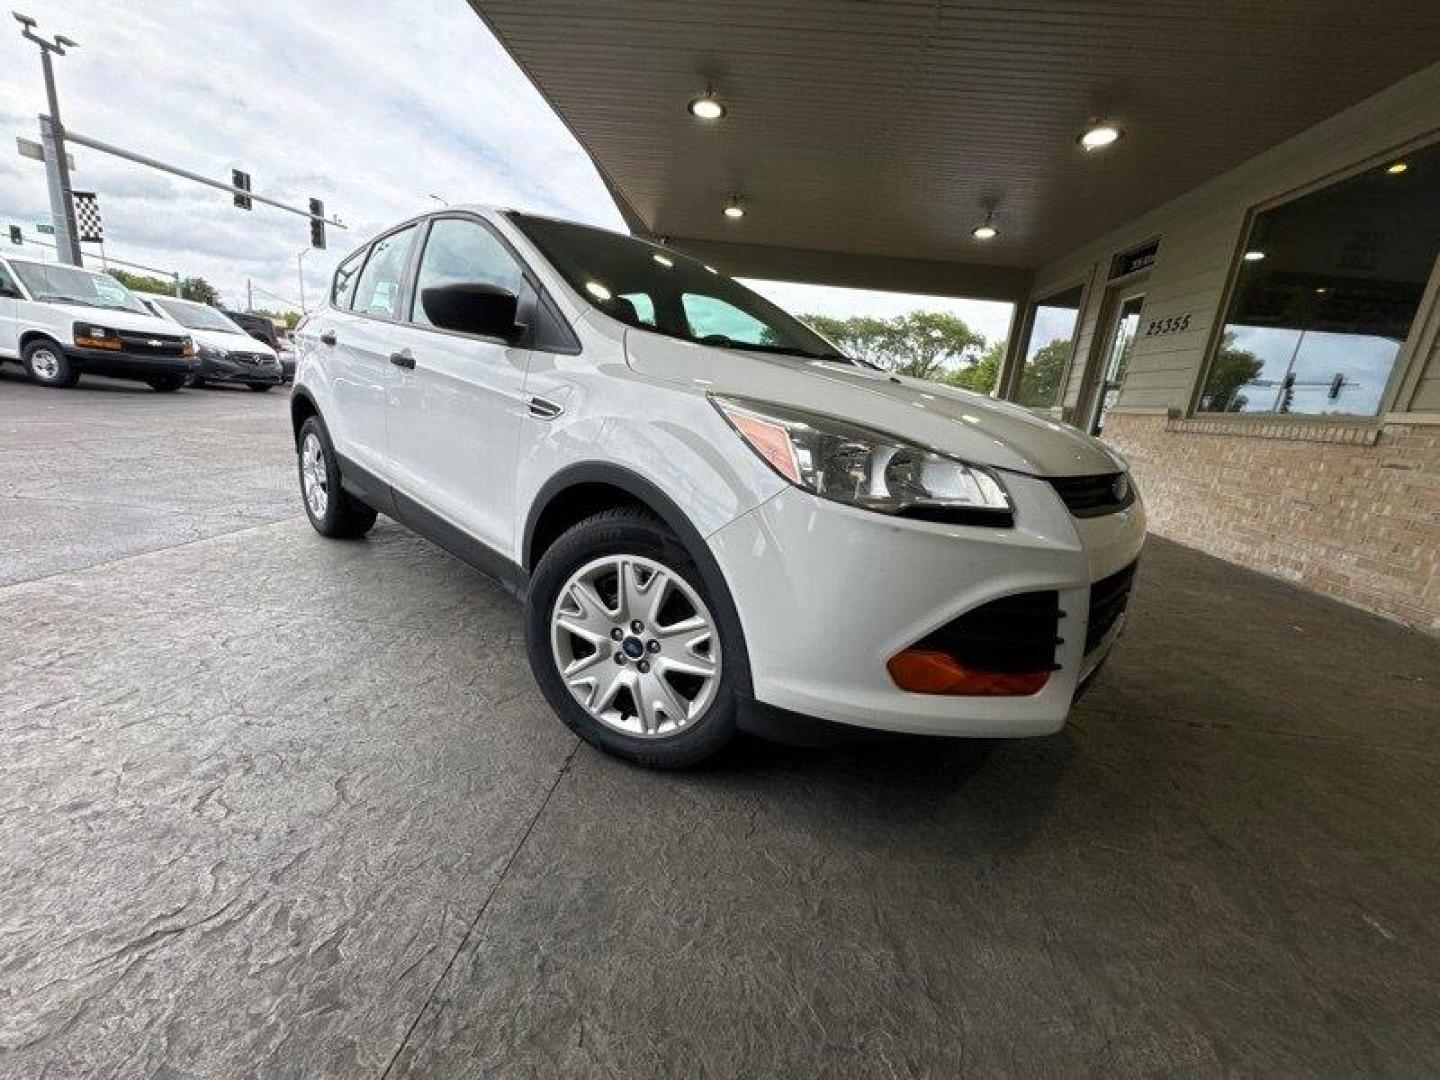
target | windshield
[
  {"x": 196, "y": 316},
  {"x": 660, "y": 290},
  {"x": 57, "y": 283}
]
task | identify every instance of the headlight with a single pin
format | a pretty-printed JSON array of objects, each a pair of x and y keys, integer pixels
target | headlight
[
  {"x": 850, "y": 464},
  {"x": 210, "y": 352},
  {"x": 89, "y": 336}
]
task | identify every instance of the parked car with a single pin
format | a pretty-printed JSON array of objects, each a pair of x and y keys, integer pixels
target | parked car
[
  {"x": 63, "y": 321},
  {"x": 715, "y": 518},
  {"x": 257, "y": 326},
  {"x": 227, "y": 353}
]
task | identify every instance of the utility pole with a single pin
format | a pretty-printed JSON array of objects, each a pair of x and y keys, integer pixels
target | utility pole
[
  {"x": 52, "y": 136},
  {"x": 249, "y": 295}
]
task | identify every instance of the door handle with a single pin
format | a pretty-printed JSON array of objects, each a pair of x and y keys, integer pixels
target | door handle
[
  {"x": 404, "y": 358},
  {"x": 328, "y": 337}
]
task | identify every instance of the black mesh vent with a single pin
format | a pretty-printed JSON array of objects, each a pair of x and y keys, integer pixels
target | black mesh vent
[
  {"x": 1014, "y": 634},
  {"x": 1092, "y": 496},
  {"x": 1108, "y": 598}
]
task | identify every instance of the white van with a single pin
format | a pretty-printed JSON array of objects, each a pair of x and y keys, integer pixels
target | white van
[{"x": 63, "y": 321}]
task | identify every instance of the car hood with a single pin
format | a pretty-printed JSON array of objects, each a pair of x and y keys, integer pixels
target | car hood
[
  {"x": 970, "y": 426},
  {"x": 236, "y": 342}
]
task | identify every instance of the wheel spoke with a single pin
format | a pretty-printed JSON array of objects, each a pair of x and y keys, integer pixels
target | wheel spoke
[
  {"x": 666, "y": 699},
  {"x": 692, "y": 663}
]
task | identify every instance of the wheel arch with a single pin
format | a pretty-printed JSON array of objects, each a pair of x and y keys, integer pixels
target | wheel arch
[
  {"x": 302, "y": 407},
  {"x": 29, "y": 336}
]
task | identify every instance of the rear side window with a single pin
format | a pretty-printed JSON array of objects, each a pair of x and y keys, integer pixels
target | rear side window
[
  {"x": 342, "y": 292},
  {"x": 378, "y": 291},
  {"x": 463, "y": 252}
]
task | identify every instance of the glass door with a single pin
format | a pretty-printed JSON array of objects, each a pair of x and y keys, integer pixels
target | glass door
[{"x": 1121, "y": 344}]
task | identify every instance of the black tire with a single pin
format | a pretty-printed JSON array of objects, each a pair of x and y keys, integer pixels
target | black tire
[
  {"x": 634, "y": 531},
  {"x": 196, "y": 382},
  {"x": 260, "y": 388},
  {"x": 167, "y": 384},
  {"x": 344, "y": 517},
  {"x": 54, "y": 368}
]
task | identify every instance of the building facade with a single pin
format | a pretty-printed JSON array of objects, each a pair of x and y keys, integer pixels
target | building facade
[{"x": 1265, "y": 350}]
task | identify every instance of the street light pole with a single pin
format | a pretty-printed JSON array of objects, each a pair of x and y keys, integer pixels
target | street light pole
[{"x": 52, "y": 135}]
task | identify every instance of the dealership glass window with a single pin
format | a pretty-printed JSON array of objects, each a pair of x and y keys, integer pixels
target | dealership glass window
[
  {"x": 1048, "y": 348},
  {"x": 1326, "y": 293}
]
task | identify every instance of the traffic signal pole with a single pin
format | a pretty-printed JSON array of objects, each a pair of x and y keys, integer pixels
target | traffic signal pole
[{"x": 52, "y": 137}]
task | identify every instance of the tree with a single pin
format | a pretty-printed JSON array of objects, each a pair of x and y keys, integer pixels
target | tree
[
  {"x": 199, "y": 290},
  {"x": 1233, "y": 368},
  {"x": 143, "y": 282},
  {"x": 287, "y": 318},
  {"x": 983, "y": 374},
  {"x": 921, "y": 344},
  {"x": 1040, "y": 378}
]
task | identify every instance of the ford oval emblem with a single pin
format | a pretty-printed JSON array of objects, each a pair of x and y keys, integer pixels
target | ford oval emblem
[{"x": 1120, "y": 487}]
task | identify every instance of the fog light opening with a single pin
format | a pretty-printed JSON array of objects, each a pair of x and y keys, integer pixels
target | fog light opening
[{"x": 924, "y": 671}]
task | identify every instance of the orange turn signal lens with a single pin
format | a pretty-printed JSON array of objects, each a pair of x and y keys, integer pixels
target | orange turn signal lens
[
  {"x": 922, "y": 671},
  {"x": 98, "y": 343}
]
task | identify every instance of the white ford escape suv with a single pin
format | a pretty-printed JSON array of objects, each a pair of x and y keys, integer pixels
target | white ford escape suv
[{"x": 716, "y": 520}]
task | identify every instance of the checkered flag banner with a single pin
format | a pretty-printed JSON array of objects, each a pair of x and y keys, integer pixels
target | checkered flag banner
[{"x": 87, "y": 217}]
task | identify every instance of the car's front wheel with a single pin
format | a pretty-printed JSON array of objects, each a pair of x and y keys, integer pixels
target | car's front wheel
[
  {"x": 47, "y": 364},
  {"x": 630, "y": 646},
  {"x": 167, "y": 384},
  {"x": 260, "y": 388},
  {"x": 331, "y": 510}
]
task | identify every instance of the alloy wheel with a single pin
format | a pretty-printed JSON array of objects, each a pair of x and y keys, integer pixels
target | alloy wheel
[
  {"x": 636, "y": 646},
  {"x": 313, "y": 477}
]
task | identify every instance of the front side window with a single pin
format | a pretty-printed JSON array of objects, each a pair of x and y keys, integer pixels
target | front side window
[
  {"x": 463, "y": 252},
  {"x": 660, "y": 290},
  {"x": 1326, "y": 293},
  {"x": 60, "y": 284},
  {"x": 378, "y": 291},
  {"x": 342, "y": 292},
  {"x": 7, "y": 284},
  {"x": 1047, "y": 351}
]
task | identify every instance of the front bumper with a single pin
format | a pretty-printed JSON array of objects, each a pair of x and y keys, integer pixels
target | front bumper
[
  {"x": 120, "y": 365},
  {"x": 235, "y": 371},
  {"x": 827, "y": 594}
]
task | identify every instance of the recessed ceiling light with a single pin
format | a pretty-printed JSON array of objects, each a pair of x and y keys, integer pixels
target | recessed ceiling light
[
  {"x": 1100, "y": 134},
  {"x": 705, "y": 107},
  {"x": 1321, "y": 291},
  {"x": 1398, "y": 168},
  {"x": 662, "y": 260},
  {"x": 985, "y": 230},
  {"x": 595, "y": 289},
  {"x": 1254, "y": 256},
  {"x": 734, "y": 209}
]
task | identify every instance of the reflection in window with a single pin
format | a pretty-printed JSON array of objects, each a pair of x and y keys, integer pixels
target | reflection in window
[
  {"x": 378, "y": 292},
  {"x": 1048, "y": 348},
  {"x": 1327, "y": 292},
  {"x": 712, "y": 317}
]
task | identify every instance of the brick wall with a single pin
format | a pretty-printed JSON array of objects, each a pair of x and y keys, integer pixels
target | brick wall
[{"x": 1350, "y": 511}]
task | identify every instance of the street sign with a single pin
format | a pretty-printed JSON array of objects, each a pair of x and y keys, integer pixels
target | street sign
[
  {"x": 28, "y": 148},
  {"x": 45, "y": 227}
]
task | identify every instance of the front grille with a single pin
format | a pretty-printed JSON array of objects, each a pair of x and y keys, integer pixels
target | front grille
[
  {"x": 1013, "y": 634},
  {"x": 1108, "y": 598},
  {"x": 254, "y": 359},
  {"x": 138, "y": 343},
  {"x": 1092, "y": 496}
]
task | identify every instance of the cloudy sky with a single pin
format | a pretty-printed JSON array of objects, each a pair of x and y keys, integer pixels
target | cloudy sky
[{"x": 371, "y": 106}]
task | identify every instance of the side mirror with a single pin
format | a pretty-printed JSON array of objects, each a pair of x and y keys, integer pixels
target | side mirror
[{"x": 487, "y": 310}]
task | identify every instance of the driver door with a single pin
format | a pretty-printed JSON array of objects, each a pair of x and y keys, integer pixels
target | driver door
[
  {"x": 9, "y": 314},
  {"x": 457, "y": 400}
]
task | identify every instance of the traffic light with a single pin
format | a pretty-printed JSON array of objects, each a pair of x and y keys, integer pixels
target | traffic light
[
  {"x": 16, "y": 236},
  {"x": 241, "y": 180},
  {"x": 317, "y": 223}
]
